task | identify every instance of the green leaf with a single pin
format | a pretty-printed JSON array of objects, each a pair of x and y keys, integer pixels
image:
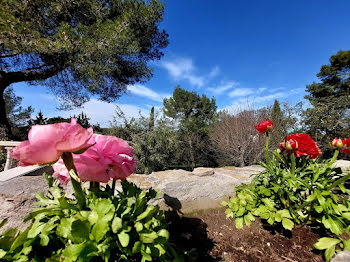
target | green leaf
[
  {"x": 148, "y": 237},
  {"x": 35, "y": 229},
  {"x": 93, "y": 217},
  {"x": 329, "y": 253},
  {"x": 346, "y": 215},
  {"x": 137, "y": 247},
  {"x": 44, "y": 240},
  {"x": 239, "y": 222},
  {"x": 287, "y": 223},
  {"x": 73, "y": 251},
  {"x": 2, "y": 253},
  {"x": 103, "y": 206},
  {"x": 224, "y": 203},
  {"x": 336, "y": 226},
  {"x": 326, "y": 242},
  {"x": 318, "y": 209},
  {"x": 148, "y": 212},
  {"x": 138, "y": 226},
  {"x": 284, "y": 213},
  {"x": 3, "y": 222},
  {"x": 64, "y": 228},
  {"x": 124, "y": 238},
  {"x": 117, "y": 224},
  {"x": 163, "y": 233},
  {"x": 100, "y": 229},
  {"x": 80, "y": 231}
]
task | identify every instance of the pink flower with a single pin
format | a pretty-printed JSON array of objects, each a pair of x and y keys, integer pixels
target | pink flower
[
  {"x": 264, "y": 126},
  {"x": 109, "y": 158},
  {"x": 117, "y": 153},
  {"x": 46, "y": 143}
]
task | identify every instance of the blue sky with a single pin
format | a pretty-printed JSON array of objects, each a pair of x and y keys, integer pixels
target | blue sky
[{"x": 239, "y": 52}]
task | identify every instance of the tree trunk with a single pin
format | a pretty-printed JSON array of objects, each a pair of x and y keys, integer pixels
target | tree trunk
[{"x": 5, "y": 127}]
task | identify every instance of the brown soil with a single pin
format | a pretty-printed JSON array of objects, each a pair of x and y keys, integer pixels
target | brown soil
[{"x": 209, "y": 236}]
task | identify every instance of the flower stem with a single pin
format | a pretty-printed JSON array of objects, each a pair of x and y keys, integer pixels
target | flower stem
[
  {"x": 69, "y": 163},
  {"x": 292, "y": 157},
  {"x": 267, "y": 149},
  {"x": 113, "y": 186},
  {"x": 94, "y": 187}
]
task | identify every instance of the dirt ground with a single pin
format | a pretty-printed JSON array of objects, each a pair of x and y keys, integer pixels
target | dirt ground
[{"x": 212, "y": 237}]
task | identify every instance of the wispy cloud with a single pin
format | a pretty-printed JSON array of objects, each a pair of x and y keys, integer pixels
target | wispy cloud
[
  {"x": 101, "y": 112},
  {"x": 218, "y": 90},
  {"x": 214, "y": 72},
  {"x": 141, "y": 90},
  {"x": 183, "y": 69},
  {"x": 241, "y": 92}
]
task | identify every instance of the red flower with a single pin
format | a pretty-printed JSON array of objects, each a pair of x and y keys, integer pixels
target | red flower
[
  {"x": 346, "y": 143},
  {"x": 302, "y": 145},
  {"x": 264, "y": 126}
]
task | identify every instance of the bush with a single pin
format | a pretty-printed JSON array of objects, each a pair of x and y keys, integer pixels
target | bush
[
  {"x": 110, "y": 228},
  {"x": 294, "y": 190}
]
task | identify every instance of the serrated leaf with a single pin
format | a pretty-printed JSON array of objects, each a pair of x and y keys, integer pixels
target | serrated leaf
[{"x": 287, "y": 223}]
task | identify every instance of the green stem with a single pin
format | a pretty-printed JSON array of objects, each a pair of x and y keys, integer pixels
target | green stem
[
  {"x": 69, "y": 163},
  {"x": 94, "y": 187},
  {"x": 113, "y": 186},
  {"x": 267, "y": 149},
  {"x": 292, "y": 156}
]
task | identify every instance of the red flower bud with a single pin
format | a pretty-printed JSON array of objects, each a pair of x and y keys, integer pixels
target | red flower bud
[
  {"x": 338, "y": 143},
  {"x": 291, "y": 144},
  {"x": 264, "y": 126}
]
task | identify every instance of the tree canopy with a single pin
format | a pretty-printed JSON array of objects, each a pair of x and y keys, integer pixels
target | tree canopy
[
  {"x": 79, "y": 47},
  {"x": 195, "y": 115},
  {"x": 329, "y": 115}
]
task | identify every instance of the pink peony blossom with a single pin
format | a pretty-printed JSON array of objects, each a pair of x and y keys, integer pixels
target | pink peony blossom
[
  {"x": 109, "y": 158},
  {"x": 46, "y": 143}
]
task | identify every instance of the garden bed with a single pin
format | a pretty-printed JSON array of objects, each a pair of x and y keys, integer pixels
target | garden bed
[{"x": 212, "y": 237}]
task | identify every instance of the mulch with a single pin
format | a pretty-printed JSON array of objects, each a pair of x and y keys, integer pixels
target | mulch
[{"x": 209, "y": 236}]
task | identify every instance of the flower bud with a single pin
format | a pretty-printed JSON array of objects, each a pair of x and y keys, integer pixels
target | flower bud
[
  {"x": 291, "y": 144},
  {"x": 337, "y": 143}
]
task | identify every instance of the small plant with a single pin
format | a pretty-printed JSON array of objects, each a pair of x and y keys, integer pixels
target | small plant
[
  {"x": 97, "y": 225},
  {"x": 296, "y": 189}
]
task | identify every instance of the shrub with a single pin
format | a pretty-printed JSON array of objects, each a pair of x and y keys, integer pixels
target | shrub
[{"x": 296, "y": 189}]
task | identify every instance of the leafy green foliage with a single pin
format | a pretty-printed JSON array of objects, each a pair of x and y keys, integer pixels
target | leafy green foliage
[
  {"x": 195, "y": 115},
  {"x": 296, "y": 191},
  {"x": 121, "y": 228}
]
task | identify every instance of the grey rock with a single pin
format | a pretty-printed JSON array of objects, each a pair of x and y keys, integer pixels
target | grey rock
[
  {"x": 343, "y": 256},
  {"x": 203, "y": 171}
]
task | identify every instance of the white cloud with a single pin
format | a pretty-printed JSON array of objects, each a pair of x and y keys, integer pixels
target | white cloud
[
  {"x": 183, "y": 69},
  {"x": 101, "y": 112},
  {"x": 141, "y": 90},
  {"x": 222, "y": 88},
  {"x": 214, "y": 72},
  {"x": 263, "y": 99},
  {"x": 241, "y": 92}
]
